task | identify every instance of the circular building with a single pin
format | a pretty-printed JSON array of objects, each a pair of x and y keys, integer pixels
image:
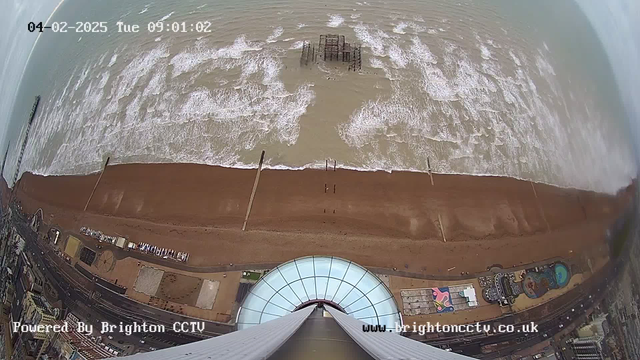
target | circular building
[{"x": 333, "y": 281}]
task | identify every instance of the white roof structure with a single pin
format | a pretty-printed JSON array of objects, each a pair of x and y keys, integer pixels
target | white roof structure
[
  {"x": 388, "y": 345},
  {"x": 281, "y": 302},
  {"x": 261, "y": 341},
  {"x": 253, "y": 344},
  {"x": 470, "y": 294},
  {"x": 340, "y": 283}
]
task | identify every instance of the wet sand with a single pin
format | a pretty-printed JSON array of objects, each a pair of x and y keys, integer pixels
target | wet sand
[{"x": 374, "y": 218}]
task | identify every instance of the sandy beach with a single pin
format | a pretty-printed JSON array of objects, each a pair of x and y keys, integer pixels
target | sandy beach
[{"x": 377, "y": 219}]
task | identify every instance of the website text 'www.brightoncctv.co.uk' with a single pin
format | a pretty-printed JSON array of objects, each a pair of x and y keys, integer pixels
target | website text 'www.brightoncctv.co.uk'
[{"x": 429, "y": 327}]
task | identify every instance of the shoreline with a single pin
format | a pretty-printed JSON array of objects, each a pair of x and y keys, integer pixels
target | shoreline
[
  {"x": 142, "y": 182},
  {"x": 383, "y": 220},
  {"x": 320, "y": 166}
]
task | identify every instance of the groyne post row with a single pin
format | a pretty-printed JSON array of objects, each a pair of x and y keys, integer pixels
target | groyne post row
[
  {"x": 4, "y": 160},
  {"x": 26, "y": 138},
  {"x": 253, "y": 192},
  {"x": 96, "y": 185},
  {"x": 326, "y": 183}
]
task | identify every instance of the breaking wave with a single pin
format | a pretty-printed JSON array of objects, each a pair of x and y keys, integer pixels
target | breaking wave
[
  {"x": 479, "y": 117},
  {"x": 277, "y": 32},
  {"x": 486, "y": 109},
  {"x": 335, "y": 20},
  {"x": 147, "y": 112}
]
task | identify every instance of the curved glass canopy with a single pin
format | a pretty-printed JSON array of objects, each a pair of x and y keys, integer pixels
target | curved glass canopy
[{"x": 341, "y": 283}]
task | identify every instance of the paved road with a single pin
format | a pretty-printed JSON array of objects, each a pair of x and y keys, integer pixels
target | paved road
[
  {"x": 75, "y": 294},
  {"x": 73, "y": 288},
  {"x": 117, "y": 308}
]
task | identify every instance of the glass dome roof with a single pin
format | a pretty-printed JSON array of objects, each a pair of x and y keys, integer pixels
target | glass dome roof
[{"x": 341, "y": 283}]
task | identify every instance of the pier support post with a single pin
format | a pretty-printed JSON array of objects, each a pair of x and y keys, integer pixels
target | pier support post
[{"x": 253, "y": 192}]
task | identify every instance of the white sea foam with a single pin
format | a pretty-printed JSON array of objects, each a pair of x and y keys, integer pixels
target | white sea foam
[
  {"x": 398, "y": 57},
  {"x": 371, "y": 37},
  {"x": 240, "y": 46},
  {"x": 544, "y": 67},
  {"x": 335, "y": 20},
  {"x": 167, "y": 16},
  {"x": 355, "y": 16},
  {"x": 296, "y": 45},
  {"x": 416, "y": 28},
  {"x": 83, "y": 76},
  {"x": 301, "y": 25},
  {"x": 399, "y": 28},
  {"x": 146, "y": 8},
  {"x": 146, "y": 117},
  {"x": 468, "y": 114},
  {"x": 478, "y": 114},
  {"x": 376, "y": 63},
  {"x": 104, "y": 77},
  {"x": 102, "y": 59},
  {"x": 484, "y": 52},
  {"x": 201, "y": 53},
  {"x": 277, "y": 32},
  {"x": 113, "y": 60},
  {"x": 188, "y": 60},
  {"x": 515, "y": 58}
]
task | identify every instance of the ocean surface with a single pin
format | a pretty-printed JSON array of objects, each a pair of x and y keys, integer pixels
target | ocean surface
[
  {"x": 521, "y": 89},
  {"x": 16, "y": 44}
]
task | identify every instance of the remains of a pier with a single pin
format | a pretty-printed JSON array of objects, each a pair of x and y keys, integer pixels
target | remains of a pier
[{"x": 332, "y": 48}]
